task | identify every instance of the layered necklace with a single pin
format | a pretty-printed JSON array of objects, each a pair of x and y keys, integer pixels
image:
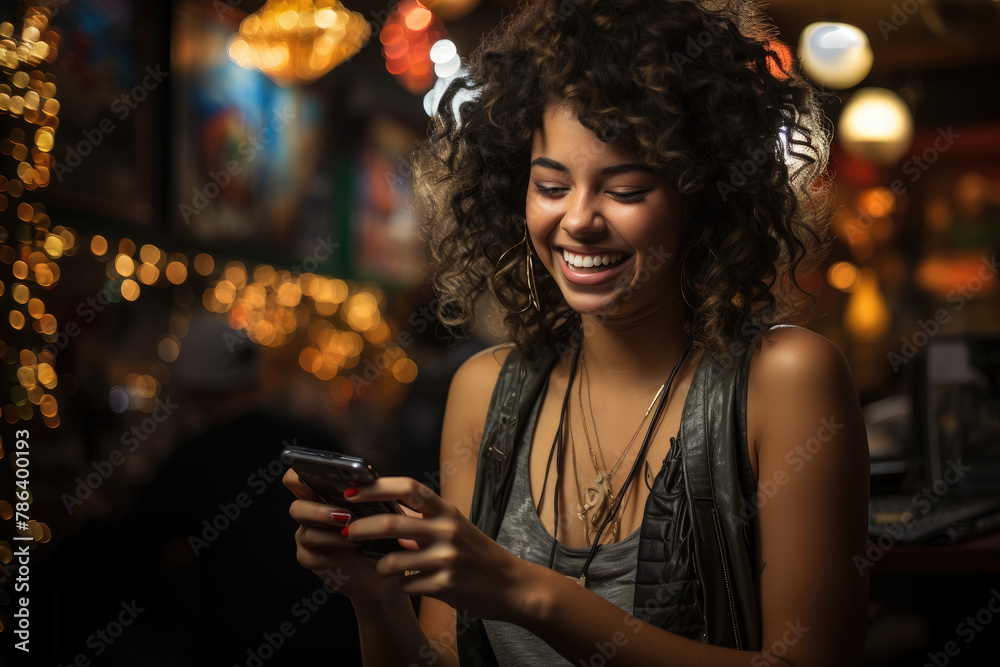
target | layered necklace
[
  {"x": 602, "y": 505},
  {"x": 597, "y": 498}
]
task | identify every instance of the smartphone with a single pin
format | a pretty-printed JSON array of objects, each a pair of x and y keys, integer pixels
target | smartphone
[{"x": 328, "y": 474}]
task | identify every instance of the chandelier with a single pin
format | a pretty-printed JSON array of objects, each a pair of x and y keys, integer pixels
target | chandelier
[{"x": 298, "y": 41}]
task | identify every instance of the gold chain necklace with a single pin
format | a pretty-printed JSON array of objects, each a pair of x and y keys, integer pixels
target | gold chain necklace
[{"x": 600, "y": 495}]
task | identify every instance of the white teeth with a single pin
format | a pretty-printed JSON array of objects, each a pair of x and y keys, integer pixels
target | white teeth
[{"x": 588, "y": 261}]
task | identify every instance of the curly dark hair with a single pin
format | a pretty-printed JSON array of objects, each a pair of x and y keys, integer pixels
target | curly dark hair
[{"x": 697, "y": 91}]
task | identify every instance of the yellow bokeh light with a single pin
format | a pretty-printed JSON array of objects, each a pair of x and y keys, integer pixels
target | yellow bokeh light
[
  {"x": 168, "y": 349},
  {"x": 404, "y": 370},
  {"x": 149, "y": 254},
  {"x": 47, "y": 375},
  {"x": 204, "y": 264},
  {"x": 843, "y": 276},
  {"x": 176, "y": 272},
  {"x": 20, "y": 293},
  {"x": 289, "y": 294},
  {"x": 147, "y": 274},
  {"x": 48, "y": 405},
  {"x": 36, "y": 308},
  {"x": 264, "y": 274},
  {"x": 16, "y": 319},
  {"x": 54, "y": 246},
  {"x": 130, "y": 290},
  {"x": 98, "y": 245},
  {"x": 236, "y": 273},
  {"x": 310, "y": 359},
  {"x": 124, "y": 265}
]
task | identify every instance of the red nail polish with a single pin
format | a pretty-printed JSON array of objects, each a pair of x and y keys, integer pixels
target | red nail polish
[
  {"x": 353, "y": 491},
  {"x": 346, "y": 530},
  {"x": 341, "y": 517}
]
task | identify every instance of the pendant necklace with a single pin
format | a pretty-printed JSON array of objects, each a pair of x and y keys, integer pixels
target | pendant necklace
[
  {"x": 557, "y": 449},
  {"x": 599, "y": 496}
]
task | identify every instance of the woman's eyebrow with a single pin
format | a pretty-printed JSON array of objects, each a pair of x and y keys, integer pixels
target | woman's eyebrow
[{"x": 613, "y": 169}]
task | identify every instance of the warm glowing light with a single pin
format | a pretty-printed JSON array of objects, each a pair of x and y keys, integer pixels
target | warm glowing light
[
  {"x": 296, "y": 41},
  {"x": 176, "y": 272},
  {"x": 404, "y": 370},
  {"x": 168, "y": 348},
  {"x": 124, "y": 265},
  {"x": 204, "y": 264},
  {"x": 842, "y": 275},
  {"x": 876, "y": 125},
  {"x": 867, "y": 314},
  {"x": 149, "y": 254},
  {"x": 876, "y": 202},
  {"x": 98, "y": 245},
  {"x": 130, "y": 290},
  {"x": 836, "y": 55}
]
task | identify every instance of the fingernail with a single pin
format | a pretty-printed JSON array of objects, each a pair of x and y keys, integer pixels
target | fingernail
[
  {"x": 341, "y": 517},
  {"x": 352, "y": 491},
  {"x": 345, "y": 531}
]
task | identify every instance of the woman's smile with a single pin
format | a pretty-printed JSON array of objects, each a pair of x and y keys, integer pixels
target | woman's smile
[
  {"x": 595, "y": 214},
  {"x": 592, "y": 268}
]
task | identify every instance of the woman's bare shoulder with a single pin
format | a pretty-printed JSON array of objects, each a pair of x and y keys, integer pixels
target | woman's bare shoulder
[
  {"x": 790, "y": 351},
  {"x": 473, "y": 383},
  {"x": 796, "y": 372}
]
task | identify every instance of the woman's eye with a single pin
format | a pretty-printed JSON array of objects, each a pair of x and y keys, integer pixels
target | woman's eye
[
  {"x": 549, "y": 191},
  {"x": 632, "y": 196}
]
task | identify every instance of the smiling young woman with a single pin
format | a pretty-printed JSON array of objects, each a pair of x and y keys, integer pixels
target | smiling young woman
[{"x": 641, "y": 207}]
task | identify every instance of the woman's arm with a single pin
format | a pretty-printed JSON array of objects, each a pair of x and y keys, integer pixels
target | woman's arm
[
  {"x": 434, "y": 640},
  {"x": 810, "y": 442}
]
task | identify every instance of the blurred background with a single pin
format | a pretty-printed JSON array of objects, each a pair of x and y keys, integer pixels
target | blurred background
[{"x": 207, "y": 254}]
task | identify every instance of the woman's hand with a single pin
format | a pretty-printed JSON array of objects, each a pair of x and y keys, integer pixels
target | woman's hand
[
  {"x": 323, "y": 549},
  {"x": 454, "y": 561}
]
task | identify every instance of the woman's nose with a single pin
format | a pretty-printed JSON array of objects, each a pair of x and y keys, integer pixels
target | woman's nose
[{"x": 582, "y": 216}]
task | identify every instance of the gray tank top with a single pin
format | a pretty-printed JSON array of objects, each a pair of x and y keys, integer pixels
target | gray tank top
[{"x": 611, "y": 574}]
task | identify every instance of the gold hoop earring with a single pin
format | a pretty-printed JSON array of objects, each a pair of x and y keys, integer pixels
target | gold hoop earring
[{"x": 505, "y": 266}]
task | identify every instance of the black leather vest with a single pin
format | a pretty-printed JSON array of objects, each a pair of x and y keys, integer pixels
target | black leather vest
[{"x": 719, "y": 487}]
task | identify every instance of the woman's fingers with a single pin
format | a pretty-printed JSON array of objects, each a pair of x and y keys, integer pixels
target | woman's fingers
[
  {"x": 323, "y": 538},
  {"x": 382, "y": 526},
  {"x": 405, "y": 490},
  {"x": 431, "y": 559},
  {"x": 291, "y": 480},
  {"x": 311, "y": 513}
]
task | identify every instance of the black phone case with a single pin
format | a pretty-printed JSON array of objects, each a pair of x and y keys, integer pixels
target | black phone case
[{"x": 326, "y": 474}]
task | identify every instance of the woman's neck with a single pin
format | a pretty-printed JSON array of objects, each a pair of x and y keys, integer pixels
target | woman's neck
[{"x": 642, "y": 349}]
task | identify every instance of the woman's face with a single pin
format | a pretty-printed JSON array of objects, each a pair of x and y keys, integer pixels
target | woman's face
[{"x": 606, "y": 227}]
